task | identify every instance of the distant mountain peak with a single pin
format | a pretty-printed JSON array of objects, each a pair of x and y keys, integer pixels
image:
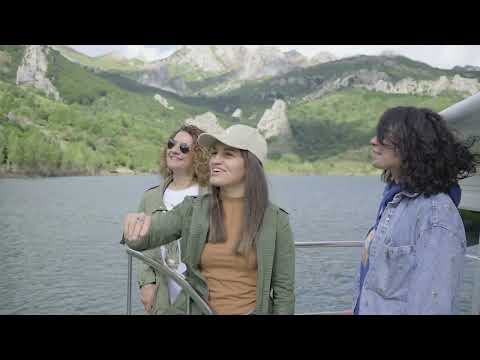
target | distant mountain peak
[
  {"x": 115, "y": 55},
  {"x": 293, "y": 52},
  {"x": 322, "y": 57},
  {"x": 466, "y": 68},
  {"x": 389, "y": 53}
]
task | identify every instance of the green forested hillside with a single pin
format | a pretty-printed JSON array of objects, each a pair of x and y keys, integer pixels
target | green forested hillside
[
  {"x": 106, "y": 121},
  {"x": 331, "y": 134},
  {"x": 10, "y": 58},
  {"x": 105, "y": 62},
  {"x": 98, "y": 126},
  {"x": 346, "y": 120}
]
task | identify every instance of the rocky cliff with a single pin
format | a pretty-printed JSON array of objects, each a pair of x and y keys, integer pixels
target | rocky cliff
[
  {"x": 33, "y": 70},
  {"x": 207, "y": 122},
  {"x": 163, "y": 102},
  {"x": 274, "y": 121},
  {"x": 229, "y": 65},
  {"x": 380, "y": 81},
  {"x": 237, "y": 113},
  {"x": 321, "y": 58}
]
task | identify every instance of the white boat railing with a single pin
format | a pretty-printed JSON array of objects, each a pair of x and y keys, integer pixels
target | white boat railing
[
  {"x": 465, "y": 110},
  {"x": 190, "y": 292},
  {"x": 205, "y": 308}
]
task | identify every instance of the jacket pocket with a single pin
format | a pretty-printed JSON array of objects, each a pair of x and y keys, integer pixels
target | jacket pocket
[{"x": 390, "y": 268}]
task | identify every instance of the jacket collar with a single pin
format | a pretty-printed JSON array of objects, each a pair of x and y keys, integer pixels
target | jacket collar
[{"x": 398, "y": 197}]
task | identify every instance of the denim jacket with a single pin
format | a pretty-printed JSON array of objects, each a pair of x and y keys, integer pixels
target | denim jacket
[{"x": 416, "y": 258}]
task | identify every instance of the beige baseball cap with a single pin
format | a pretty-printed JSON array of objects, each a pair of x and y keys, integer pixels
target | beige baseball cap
[{"x": 238, "y": 136}]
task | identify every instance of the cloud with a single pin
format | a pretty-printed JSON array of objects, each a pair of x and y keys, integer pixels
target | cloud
[{"x": 146, "y": 52}]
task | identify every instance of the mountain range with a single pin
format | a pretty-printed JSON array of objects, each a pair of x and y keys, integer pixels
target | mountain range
[{"x": 317, "y": 112}]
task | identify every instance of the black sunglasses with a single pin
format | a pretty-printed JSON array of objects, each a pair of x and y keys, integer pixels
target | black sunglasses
[{"x": 184, "y": 148}]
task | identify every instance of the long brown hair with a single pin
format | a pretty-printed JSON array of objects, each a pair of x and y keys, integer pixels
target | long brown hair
[
  {"x": 201, "y": 171},
  {"x": 256, "y": 203}
]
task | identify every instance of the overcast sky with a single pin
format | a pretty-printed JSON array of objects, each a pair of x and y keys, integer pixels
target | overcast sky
[{"x": 443, "y": 56}]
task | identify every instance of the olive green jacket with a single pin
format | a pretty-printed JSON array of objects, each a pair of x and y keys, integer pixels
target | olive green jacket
[
  {"x": 275, "y": 248},
  {"x": 152, "y": 200}
]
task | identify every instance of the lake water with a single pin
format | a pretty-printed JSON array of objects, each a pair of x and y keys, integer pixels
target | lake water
[{"x": 61, "y": 254}]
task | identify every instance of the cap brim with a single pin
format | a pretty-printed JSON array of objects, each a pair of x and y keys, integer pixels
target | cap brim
[
  {"x": 207, "y": 139},
  {"x": 210, "y": 139}
]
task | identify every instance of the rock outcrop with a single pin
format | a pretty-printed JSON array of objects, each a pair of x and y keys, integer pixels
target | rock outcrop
[
  {"x": 123, "y": 171},
  {"x": 237, "y": 113},
  {"x": 321, "y": 57},
  {"x": 296, "y": 58},
  {"x": 210, "y": 58},
  {"x": 380, "y": 81},
  {"x": 466, "y": 68},
  {"x": 20, "y": 121},
  {"x": 229, "y": 65},
  {"x": 426, "y": 87},
  {"x": 207, "y": 122},
  {"x": 274, "y": 121},
  {"x": 264, "y": 61},
  {"x": 163, "y": 101},
  {"x": 33, "y": 70}
]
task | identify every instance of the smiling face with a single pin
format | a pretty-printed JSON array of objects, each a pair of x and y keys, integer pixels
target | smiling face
[
  {"x": 227, "y": 170},
  {"x": 384, "y": 156},
  {"x": 177, "y": 161}
]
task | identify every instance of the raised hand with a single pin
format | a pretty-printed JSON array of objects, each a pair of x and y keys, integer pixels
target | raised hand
[{"x": 136, "y": 225}]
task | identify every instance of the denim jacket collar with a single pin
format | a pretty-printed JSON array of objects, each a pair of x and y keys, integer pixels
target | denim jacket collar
[{"x": 404, "y": 193}]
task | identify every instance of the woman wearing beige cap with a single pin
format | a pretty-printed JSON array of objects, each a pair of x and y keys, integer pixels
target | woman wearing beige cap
[{"x": 237, "y": 245}]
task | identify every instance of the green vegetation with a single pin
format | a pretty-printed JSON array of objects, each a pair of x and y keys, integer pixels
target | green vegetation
[
  {"x": 296, "y": 84},
  {"x": 346, "y": 120},
  {"x": 107, "y": 120},
  {"x": 49, "y": 137},
  {"x": 75, "y": 84},
  {"x": 10, "y": 58},
  {"x": 350, "y": 162},
  {"x": 105, "y": 62},
  {"x": 98, "y": 127},
  {"x": 187, "y": 72}
]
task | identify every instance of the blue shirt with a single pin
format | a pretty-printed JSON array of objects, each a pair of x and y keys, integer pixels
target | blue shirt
[{"x": 389, "y": 192}]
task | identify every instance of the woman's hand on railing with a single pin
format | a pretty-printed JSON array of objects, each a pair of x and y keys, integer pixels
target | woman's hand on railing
[
  {"x": 136, "y": 225},
  {"x": 147, "y": 296}
]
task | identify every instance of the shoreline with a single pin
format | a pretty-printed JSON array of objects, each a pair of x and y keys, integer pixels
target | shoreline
[
  {"x": 38, "y": 176},
  {"x": 23, "y": 175}
]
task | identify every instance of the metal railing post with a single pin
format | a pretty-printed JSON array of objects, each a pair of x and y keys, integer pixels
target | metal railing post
[
  {"x": 189, "y": 309},
  {"x": 190, "y": 292},
  {"x": 476, "y": 286},
  {"x": 129, "y": 286}
]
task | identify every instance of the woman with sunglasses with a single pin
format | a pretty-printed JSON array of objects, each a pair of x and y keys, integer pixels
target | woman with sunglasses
[
  {"x": 184, "y": 168},
  {"x": 238, "y": 246}
]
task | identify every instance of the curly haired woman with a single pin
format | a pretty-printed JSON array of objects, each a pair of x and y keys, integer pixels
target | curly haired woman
[
  {"x": 413, "y": 258},
  {"x": 184, "y": 168}
]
